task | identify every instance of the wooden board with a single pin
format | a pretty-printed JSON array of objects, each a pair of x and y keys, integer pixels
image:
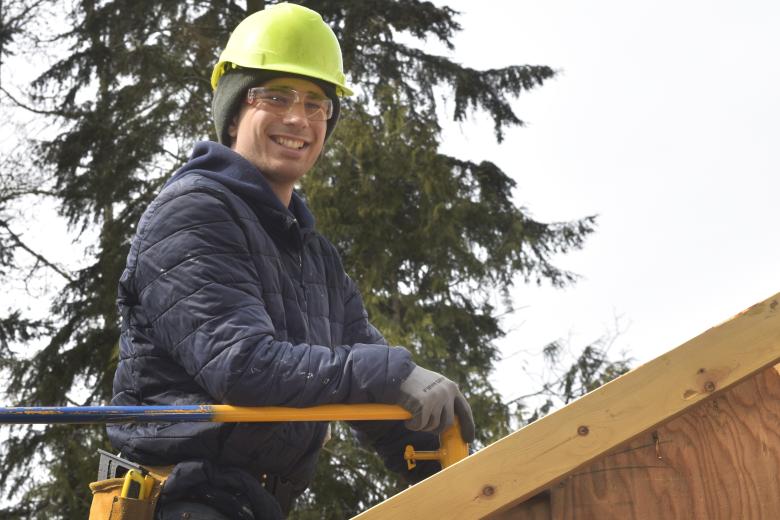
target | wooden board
[
  {"x": 718, "y": 461},
  {"x": 530, "y": 460}
]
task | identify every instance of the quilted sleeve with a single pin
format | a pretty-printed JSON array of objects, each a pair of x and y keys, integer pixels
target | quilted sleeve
[{"x": 387, "y": 438}]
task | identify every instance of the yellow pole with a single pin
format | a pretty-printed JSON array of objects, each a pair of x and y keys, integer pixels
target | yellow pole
[
  {"x": 452, "y": 448},
  {"x": 325, "y": 412}
]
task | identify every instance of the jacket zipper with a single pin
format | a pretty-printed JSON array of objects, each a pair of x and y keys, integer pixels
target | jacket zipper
[{"x": 293, "y": 226}]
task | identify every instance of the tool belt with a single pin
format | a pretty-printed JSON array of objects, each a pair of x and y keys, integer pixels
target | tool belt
[
  {"x": 110, "y": 500},
  {"x": 125, "y": 490}
]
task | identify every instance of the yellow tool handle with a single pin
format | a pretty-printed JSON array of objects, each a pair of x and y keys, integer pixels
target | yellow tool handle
[
  {"x": 133, "y": 486},
  {"x": 452, "y": 448},
  {"x": 146, "y": 492},
  {"x": 325, "y": 412}
]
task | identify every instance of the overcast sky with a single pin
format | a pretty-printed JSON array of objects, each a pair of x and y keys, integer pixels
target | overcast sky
[{"x": 664, "y": 121}]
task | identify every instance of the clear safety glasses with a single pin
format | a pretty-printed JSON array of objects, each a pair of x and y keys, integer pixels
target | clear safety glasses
[{"x": 281, "y": 100}]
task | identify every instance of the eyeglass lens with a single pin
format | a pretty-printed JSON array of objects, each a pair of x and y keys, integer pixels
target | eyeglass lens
[{"x": 281, "y": 101}]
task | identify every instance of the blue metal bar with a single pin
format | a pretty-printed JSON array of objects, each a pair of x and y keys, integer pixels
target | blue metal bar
[{"x": 105, "y": 414}]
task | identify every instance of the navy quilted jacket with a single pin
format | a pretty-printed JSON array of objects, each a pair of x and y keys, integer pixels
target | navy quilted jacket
[{"x": 229, "y": 297}]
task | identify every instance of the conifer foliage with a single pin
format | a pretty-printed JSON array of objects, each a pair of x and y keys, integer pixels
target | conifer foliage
[{"x": 428, "y": 237}]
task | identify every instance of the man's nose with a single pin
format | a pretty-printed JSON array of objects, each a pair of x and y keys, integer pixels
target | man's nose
[{"x": 297, "y": 115}]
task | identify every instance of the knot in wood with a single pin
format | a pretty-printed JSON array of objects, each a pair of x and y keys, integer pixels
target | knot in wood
[
  {"x": 488, "y": 491},
  {"x": 709, "y": 386},
  {"x": 583, "y": 430}
]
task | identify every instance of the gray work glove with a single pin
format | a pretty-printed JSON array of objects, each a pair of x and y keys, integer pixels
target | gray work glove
[{"x": 433, "y": 400}]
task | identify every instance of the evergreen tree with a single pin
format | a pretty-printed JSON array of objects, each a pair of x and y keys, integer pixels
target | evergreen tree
[{"x": 428, "y": 237}]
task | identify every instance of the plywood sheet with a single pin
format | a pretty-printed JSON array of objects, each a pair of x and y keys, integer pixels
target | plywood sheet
[
  {"x": 718, "y": 461},
  {"x": 535, "y": 508}
]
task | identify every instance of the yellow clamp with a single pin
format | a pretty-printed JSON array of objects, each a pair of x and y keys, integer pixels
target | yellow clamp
[
  {"x": 451, "y": 445},
  {"x": 451, "y": 449}
]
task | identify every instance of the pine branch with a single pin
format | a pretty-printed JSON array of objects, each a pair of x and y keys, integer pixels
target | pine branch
[
  {"x": 27, "y": 107},
  {"x": 39, "y": 258},
  {"x": 11, "y": 195}
]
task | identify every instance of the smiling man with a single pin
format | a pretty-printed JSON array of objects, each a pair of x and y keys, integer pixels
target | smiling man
[
  {"x": 231, "y": 296},
  {"x": 281, "y": 130}
]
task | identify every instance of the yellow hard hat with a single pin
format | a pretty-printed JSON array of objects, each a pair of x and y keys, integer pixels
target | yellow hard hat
[{"x": 285, "y": 38}]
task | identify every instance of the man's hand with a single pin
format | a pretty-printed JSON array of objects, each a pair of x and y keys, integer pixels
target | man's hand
[{"x": 433, "y": 401}]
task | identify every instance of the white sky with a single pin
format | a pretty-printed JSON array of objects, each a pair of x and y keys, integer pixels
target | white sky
[{"x": 664, "y": 120}]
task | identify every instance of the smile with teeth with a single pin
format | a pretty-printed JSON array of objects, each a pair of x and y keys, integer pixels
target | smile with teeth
[{"x": 295, "y": 144}]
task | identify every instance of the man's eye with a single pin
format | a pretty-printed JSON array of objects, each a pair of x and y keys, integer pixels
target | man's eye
[{"x": 276, "y": 99}]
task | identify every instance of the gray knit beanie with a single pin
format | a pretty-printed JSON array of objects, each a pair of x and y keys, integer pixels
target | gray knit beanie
[{"x": 232, "y": 88}]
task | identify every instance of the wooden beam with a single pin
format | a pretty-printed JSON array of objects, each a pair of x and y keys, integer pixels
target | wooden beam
[{"x": 533, "y": 458}]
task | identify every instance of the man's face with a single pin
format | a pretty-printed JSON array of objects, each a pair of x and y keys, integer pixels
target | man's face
[{"x": 282, "y": 147}]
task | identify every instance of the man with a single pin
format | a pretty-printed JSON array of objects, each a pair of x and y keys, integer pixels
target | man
[{"x": 231, "y": 296}]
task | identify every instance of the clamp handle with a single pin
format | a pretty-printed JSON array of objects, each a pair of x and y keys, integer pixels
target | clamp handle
[{"x": 451, "y": 449}]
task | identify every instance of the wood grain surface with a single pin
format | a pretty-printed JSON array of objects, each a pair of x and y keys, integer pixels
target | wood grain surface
[{"x": 535, "y": 508}]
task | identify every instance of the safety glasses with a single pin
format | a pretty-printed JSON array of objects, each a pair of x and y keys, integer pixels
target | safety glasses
[{"x": 281, "y": 100}]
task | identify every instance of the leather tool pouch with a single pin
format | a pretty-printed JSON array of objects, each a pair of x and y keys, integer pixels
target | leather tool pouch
[{"x": 107, "y": 502}]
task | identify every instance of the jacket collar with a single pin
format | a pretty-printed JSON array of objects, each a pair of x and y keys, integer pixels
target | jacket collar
[{"x": 220, "y": 163}]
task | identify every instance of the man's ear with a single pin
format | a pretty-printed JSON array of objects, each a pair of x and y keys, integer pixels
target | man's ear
[{"x": 232, "y": 131}]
